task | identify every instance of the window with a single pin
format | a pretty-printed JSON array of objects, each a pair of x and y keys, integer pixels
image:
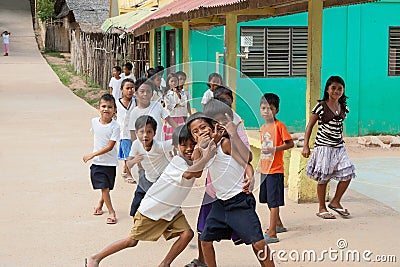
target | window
[
  {"x": 394, "y": 51},
  {"x": 276, "y": 52}
]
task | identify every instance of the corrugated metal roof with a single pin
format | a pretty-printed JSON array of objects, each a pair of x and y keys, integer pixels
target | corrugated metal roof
[
  {"x": 127, "y": 20},
  {"x": 180, "y": 10}
]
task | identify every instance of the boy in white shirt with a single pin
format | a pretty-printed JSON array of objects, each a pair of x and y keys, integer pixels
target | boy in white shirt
[
  {"x": 127, "y": 72},
  {"x": 115, "y": 83},
  {"x": 153, "y": 155},
  {"x": 102, "y": 171},
  {"x": 144, "y": 106},
  {"x": 160, "y": 212},
  {"x": 125, "y": 105},
  {"x": 214, "y": 80}
]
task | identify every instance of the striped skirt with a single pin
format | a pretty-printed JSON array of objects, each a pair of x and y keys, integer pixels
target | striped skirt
[
  {"x": 330, "y": 162},
  {"x": 168, "y": 130}
]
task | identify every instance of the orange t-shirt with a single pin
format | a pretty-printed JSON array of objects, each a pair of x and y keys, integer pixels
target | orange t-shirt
[{"x": 273, "y": 135}]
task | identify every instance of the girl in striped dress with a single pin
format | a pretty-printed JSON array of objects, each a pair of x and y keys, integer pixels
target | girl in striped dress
[
  {"x": 329, "y": 158},
  {"x": 175, "y": 103}
]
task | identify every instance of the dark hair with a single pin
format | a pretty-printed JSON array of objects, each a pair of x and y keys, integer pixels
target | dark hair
[
  {"x": 333, "y": 79},
  {"x": 169, "y": 77},
  {"x": 144, "y": 120},
  {"x": 224, "y": 100},
  {"x": 108, "y": 98},
  {"x": 181, "y": 73},
  {"x": 221, "y": 90},
  {"x": 128, "y": 65},
  {"x": 214, "y": 75},
  {"x": 215, "y": 107},
  {"x": 196, "y": 116},
  {"x": 146, "y": 81},
  {"x": 151, "y": 72},
  {"x": 127, "y": 80},
  {"x": 117, "y": 68},
  {"x": 160, "y": 69},
  {"x": 181, "y": 135},
  {"x": 270, "y": 99}
]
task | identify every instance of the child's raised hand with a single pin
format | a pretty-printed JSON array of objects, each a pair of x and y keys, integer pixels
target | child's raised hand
[
  {"x": 230, "y": 126},
  {"x": 306, "y": 151},
  {"x": 218, "y": 133},
  {"x": 208, "y": 151}
]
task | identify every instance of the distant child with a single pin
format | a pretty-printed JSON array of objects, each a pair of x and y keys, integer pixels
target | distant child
[
  {"x": 144, "y": 106},
  {"x": 233, "y": 210},
  {"x": 153, "y": 155},
  {"x": 275, "y": 138},
  {"x": 159, "y": 92},
  {"x": 181, "y": 86},
  {"x": 160, "y": 212},
  {"x": 127, "y": 72},
  {"x": 160, "y": 71},
  {"x": 175, "y": 103},
  {"x": 125, "y": 105},
  {"x": 329, "y": 158},
  {"x": 214, "y": 80},
  {"x": 103, "y": 169},
  {"x": 115, "y": 83},
  {"x": 6, "y": 41}
]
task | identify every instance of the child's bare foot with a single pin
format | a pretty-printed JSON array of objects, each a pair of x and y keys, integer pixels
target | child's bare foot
[{"x": 90, "y": 262}]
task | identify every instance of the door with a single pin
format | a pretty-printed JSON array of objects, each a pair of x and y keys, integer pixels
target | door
[{"x": 170, "y": 51}]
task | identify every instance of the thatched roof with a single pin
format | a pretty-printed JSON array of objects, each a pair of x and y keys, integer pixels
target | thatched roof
[
  {"x": 89, "y": 14},
  {"x": 180, "y": 10}
]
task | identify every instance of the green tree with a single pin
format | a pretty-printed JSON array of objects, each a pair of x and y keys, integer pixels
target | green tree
[{"x": 45, "y": 10}]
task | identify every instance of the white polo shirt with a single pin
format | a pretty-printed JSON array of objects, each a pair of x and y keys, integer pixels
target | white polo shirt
[
  {"x": 123, "y": 115},
  {"x": 103, "y": 134}
]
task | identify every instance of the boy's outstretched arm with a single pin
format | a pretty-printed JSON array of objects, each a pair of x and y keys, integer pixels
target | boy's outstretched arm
[
  {"x": 199, "y": 165},
  {"x": 106, "y": 149},
  {"x": 238, "y": 146}
]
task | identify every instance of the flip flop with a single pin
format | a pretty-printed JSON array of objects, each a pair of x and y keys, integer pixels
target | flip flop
[
  {"x": 111, "y": 220},
  {"x": 341, "y": 211},
  {"x": 130, "y": 180},
  {"x": 196, "y": 263},
  {"x": 280, "y": 229},
  {"x": 325, "y": 215},
  {"x": 97, "y": 211},
  {"x": 271, "y": 239}
]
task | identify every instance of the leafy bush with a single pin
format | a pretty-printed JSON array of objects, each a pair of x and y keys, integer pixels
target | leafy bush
[{"x": 45, "y": 10}]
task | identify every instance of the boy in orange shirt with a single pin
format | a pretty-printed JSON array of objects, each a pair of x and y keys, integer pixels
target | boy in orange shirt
[{"x": 275, "y": 138}]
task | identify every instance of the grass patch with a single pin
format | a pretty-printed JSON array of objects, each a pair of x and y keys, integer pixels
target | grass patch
[
  {"x": 53, "y": 54},
  {"x": 62, "y": 74}
]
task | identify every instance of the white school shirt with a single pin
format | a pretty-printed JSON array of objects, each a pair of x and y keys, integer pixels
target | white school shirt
[
  {"x": 154, "y": 110},
  {"x": 116, "y": 87},
  {"x": 130, "y": 76},
  {"x": 171, "y": 99},
  {"x": 164, "y": 198},
  {"x": 158, "y": 95},
  {"x": 103, "y": 134},
  {"x": 226, "y": 174},
  {"x": 163, "y": 83},
  {"x": 154, "y": 161},
  {"x": 208, "y": 95},
  {"x": 6, "y": 38},
  {"x": 123, "y": 115}
]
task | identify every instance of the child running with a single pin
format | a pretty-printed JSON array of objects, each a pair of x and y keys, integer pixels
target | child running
[
  {"x": 234, "y": 210},
  {"x": 275, "y": 138},
  {"x": 115, "y": 83},
  {"x": 125, "y": 105},
  {"x": 103, "y": 169},
  {"x": 214, "y": 80},
  {"x": 175, "y": 103},
  {"x": 6, "y": 41},
  {"x": 160, "y": 212},
  {"x": 329, "y": 158},
  {"x": 153, "y": 155}
]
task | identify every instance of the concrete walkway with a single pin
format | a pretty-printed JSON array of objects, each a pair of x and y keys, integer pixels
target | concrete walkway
[{"x": 46, "y": 198}]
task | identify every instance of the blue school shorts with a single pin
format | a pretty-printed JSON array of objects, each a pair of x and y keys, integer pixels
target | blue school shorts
[
  {"x": 272, "y": 190},
  {"x": 102, "y": 176},
  {"x": 124, "y": 149},
  {"x": 237, "y": 214}
]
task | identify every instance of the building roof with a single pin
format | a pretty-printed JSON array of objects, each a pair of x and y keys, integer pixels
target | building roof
[
  {"x": 127, "y": 20},
  {"x": 89, "y": 14},
  {"x": 180, "y": 10}
]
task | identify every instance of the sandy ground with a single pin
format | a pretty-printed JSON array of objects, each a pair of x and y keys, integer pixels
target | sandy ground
[{"x": 47, "y": 200}]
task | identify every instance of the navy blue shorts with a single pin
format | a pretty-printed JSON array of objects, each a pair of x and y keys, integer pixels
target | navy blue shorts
[
  {"x": 272, "y": 190},
  {"x": 102, "y": 176},
  {"x": 141, "y": 189},
  {"x": 237, "y": 214}
]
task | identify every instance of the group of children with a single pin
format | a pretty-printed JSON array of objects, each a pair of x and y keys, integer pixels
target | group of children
[{"x": 170, "y": 157}]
